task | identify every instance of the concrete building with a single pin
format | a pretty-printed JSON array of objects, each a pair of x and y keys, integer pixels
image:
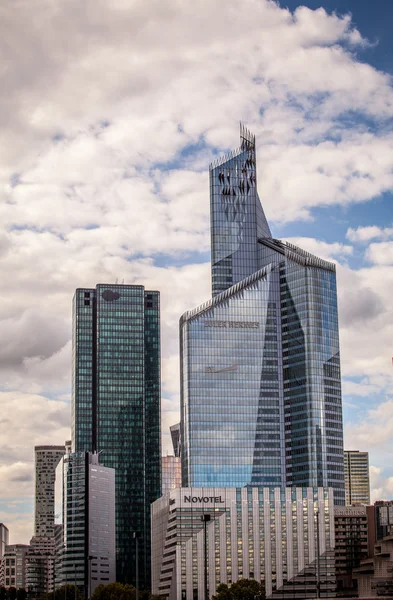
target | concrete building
[
  {"x": 354, "y": 540},
  {"x": 46, "y": 461},
  {"x": 383, "y": 514},
  {"x": 40, "y": 557},
  {"x": 171, "y": 473},
  {"x": 262, "y": 533},
  {"x": 85, "y": 522},
  {"x": 357, "y": 477},
  {"x": 41, "y": 565},
  {"x": 375, "y": 574},
  {"x": 14, "y": 565},
  {"x": 30, "y": 568}
]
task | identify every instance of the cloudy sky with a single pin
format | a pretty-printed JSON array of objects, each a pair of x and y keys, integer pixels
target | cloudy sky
[{"x": 110, "y": 115}]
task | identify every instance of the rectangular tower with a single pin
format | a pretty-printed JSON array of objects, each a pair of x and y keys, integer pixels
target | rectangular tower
[
  {"x": 260, "y": 361},
  {"x": 357, "y": 477},
  {"x": 116, "y": 405},
  {"x": 46, "y": 460},
  {"x": 87, "y": 556}
]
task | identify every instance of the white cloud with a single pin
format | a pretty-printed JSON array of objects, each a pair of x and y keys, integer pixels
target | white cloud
[
  {"x": 26, "y": 420},
  {"x": 380, "y": 254},
  {"x": 381, "y": 485},
  {"x": 112, "y": 113},
  {"x": 327, "y": 251},
  {"x": 374, "y": 432},
  {"x": 363, "y": 389},
  {"x": 365, "y": 234}
]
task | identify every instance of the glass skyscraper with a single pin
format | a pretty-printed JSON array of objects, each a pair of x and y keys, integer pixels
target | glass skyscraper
[
  {"x": 116, "y": 406},
  {"x": 260, "y": 362}
]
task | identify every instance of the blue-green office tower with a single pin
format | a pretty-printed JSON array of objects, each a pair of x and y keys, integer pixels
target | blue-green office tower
[
  {"x": 116, "y": 406},
  {"x": 260, "y": 361}
]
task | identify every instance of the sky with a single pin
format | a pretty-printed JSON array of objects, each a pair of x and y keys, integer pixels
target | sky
[{"x": 110, "y": 113}]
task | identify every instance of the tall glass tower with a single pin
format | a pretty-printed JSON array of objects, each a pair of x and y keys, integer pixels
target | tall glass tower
[
  {"x": 260, "y": 362},
  {"x": 116, "y": 406}
]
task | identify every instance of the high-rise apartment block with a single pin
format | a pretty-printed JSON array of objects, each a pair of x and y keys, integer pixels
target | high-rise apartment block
[
  {"x": 40, "y": 558},
  {"x": 260, "y": 362},
  {"x": 86, "y": 554},
  {"x": 357, "y": 477},
  {"x": 46, "y": 461},
  {"x": 116, "y": 406}
]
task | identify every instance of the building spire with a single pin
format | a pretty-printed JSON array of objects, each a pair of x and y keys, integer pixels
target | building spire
[{"x": 247, "y": 138}]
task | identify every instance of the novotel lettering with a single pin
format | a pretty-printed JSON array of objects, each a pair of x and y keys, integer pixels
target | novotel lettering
[
  {"x": 204, "y": 499},
  {"x": 232, "y": 324}
]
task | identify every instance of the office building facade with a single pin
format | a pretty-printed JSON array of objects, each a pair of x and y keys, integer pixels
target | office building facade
[
  {"x": 116, "y": 406},
  {"x": 4, "y": 539},
  {"x": 357, "y": 477},
  {"x": 268, "y": 534},
  {"x": 85, "y": 552},
  {"x": 171, "y": 473},
  {"x": 260, "y": 364},
  {"x": 175, "y": 436}
]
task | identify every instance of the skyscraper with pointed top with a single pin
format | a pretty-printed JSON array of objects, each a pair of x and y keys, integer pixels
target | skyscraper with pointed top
[{"x": 260, "y": 362}]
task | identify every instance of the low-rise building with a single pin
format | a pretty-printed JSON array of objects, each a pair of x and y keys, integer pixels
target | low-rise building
[
  {"x": 283, "y": 537},
  {"x": 383, "y": 518},
  {"x": 375, "y": 574},
  {"x": 15, "y": 565},
  {"x": 351, "y": 524}
]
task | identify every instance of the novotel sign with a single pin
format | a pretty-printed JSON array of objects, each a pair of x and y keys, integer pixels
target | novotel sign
[{"x": 204, "y": 499}]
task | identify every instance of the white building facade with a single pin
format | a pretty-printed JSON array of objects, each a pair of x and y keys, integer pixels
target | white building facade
[{"x": 268, "y": 534}]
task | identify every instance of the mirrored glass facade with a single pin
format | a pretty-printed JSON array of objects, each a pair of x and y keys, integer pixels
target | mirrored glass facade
[
  {"x": 116, "y": 405},
  {"x": 260, "y": 362}
]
